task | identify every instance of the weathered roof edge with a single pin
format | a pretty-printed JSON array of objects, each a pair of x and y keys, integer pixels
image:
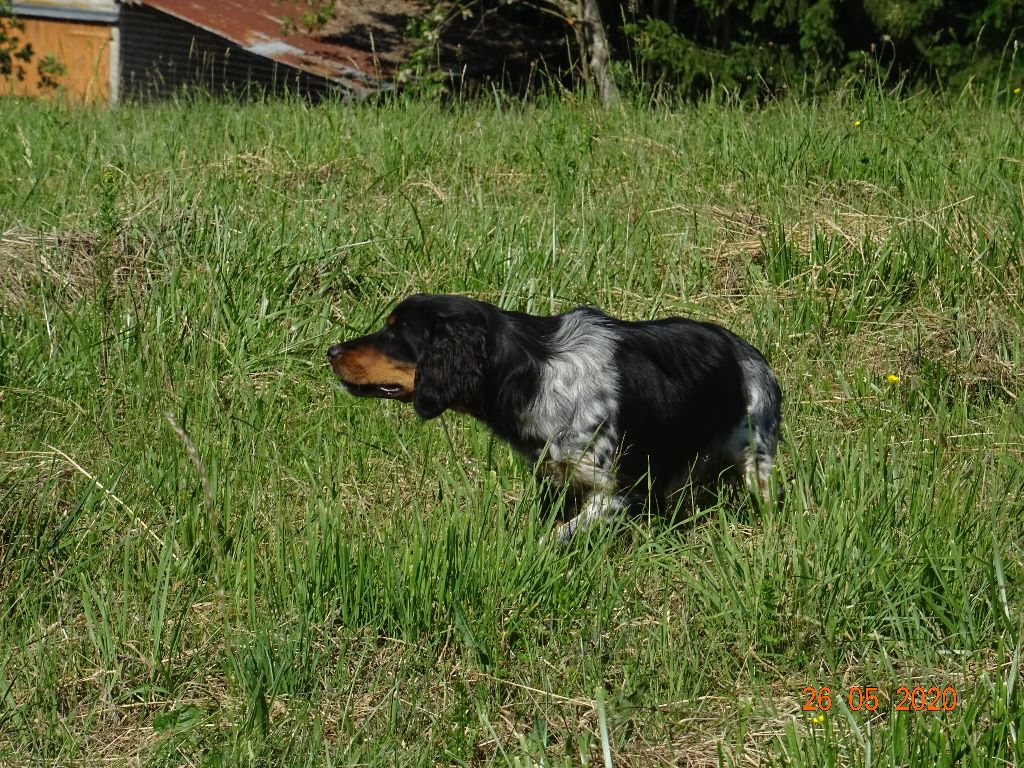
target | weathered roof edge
[
  {"x": 255, "y": 26},
  {"x": 69, "y": 10}
]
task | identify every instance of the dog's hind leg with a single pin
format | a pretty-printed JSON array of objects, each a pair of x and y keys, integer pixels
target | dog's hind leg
[
  {"x": 755, "y": 439},
  {"x": 756, "y": 466}
]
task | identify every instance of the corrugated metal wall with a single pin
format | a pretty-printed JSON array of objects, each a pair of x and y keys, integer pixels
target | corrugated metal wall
[{"x": 161, "y": 54}]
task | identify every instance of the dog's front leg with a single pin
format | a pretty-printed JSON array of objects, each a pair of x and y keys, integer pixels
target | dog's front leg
[
  {"x": 596, "y": 507},
  {"x": 558, "y": 499}
]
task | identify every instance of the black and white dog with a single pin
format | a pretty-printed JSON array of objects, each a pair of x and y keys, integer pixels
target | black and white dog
[{"x": 613, "y": 413}]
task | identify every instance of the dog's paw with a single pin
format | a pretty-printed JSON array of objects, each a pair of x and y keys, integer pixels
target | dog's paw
[{"x": 560, "y": 536}]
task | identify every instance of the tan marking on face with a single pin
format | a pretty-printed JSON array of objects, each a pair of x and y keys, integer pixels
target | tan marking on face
[
  {"x": 368, "y": 365},
  {"x": 391, "y": 320}
]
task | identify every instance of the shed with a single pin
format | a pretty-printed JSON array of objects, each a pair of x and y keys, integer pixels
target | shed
[{"x": 113, "y": 49}]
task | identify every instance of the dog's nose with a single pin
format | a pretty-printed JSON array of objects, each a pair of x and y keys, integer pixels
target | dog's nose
[{"x": 334, "y": 351}]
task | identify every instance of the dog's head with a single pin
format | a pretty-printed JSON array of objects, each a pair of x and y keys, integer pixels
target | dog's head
[{"x": 431, "y": 351}]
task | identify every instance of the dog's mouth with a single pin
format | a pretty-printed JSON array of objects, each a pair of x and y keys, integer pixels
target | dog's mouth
[
  {"x": 367, "y": 372},
  {"x": 386, "y": 391}
]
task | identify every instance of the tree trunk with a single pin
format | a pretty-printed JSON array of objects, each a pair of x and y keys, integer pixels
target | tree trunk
[
  {"x": 596, "y": 52},
  {"x": 585, "y": 19}
]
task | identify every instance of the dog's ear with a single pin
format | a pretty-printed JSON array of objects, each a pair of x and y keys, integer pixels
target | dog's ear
[{"x": 450, "y": 373}]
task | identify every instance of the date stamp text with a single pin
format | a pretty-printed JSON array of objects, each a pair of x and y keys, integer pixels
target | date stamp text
[{"x": 871, "y": 698}]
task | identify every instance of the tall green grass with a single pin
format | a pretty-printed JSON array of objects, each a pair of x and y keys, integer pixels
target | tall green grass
[{"x": 213, "y": 556}]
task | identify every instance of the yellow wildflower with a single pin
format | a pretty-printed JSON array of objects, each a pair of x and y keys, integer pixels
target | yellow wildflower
[
  {"x": 856, "y": 123},
  {"x": 892, "y": 378}
]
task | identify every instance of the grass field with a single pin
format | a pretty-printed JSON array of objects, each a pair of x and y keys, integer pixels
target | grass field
[{"x": 211, "y": 555}]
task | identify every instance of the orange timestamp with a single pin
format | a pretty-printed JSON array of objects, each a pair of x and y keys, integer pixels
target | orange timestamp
[{"x": 867, "y": 698}]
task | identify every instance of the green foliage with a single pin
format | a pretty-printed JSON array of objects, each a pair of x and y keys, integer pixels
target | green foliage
[
  {"x": 770, "y": 46},
  {"x": 15, "y": 54},
  {"x": 310, "y": 14},
  {"x": 748, "y": 47},
  {"x": 50, "y": 69},
  {"x": 421, "y": 72},
  {"x": 672, "y": 59}
]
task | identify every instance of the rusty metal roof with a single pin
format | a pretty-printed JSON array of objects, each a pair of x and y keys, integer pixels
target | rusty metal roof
[{"x": 258, "y": 27}]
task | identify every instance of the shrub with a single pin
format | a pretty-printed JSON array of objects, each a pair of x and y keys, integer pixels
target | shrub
[{"x": 759, "y": 46}]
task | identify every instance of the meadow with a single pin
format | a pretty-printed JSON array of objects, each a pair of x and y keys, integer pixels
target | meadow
[{"x": 211, "y": 555}]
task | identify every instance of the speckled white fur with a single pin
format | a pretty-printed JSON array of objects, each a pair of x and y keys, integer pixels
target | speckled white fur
[{"x": 574, "y": 415}]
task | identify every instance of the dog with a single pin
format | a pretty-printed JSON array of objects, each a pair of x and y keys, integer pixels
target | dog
[{"x": 613, "y": 415}]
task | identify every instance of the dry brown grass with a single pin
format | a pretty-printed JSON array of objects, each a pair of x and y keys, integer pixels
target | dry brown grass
[{"x": 42, "y": 268}]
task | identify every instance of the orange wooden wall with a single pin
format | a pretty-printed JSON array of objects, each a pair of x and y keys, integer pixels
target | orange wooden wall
[{"x": 83, "y": 49}]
